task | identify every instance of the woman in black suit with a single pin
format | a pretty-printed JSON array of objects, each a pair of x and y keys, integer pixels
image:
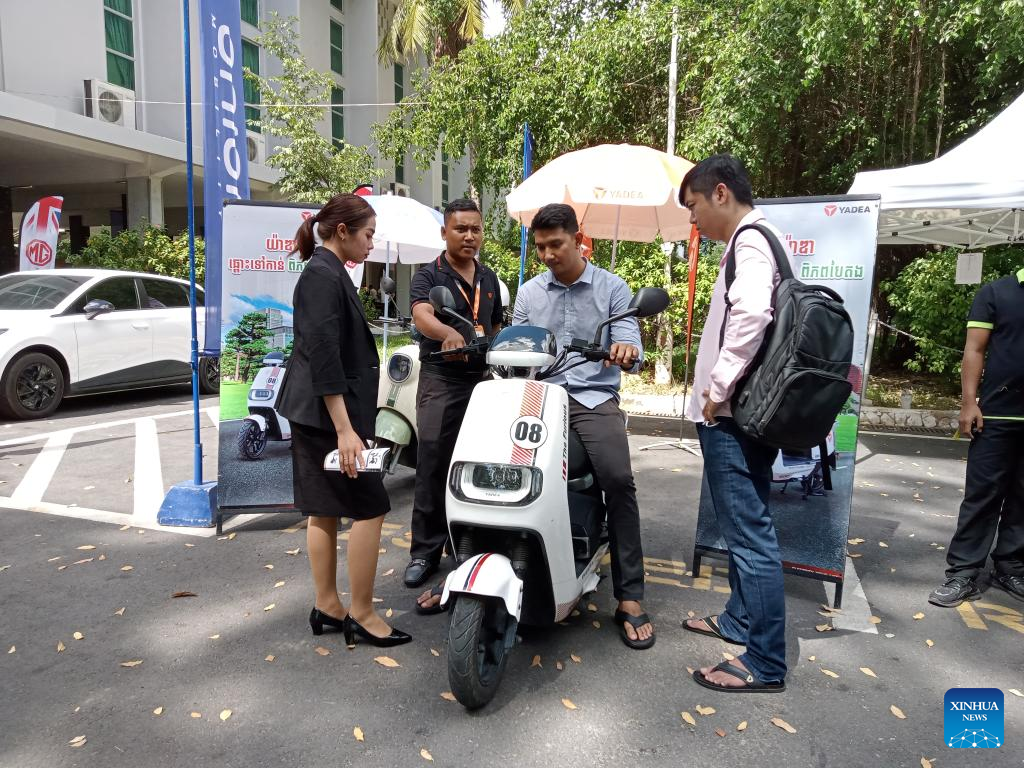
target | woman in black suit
[{"x": 330, "y": 399}]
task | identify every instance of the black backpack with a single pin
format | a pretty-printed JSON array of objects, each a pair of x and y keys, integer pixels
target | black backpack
[{"x": 797, "y": 383}]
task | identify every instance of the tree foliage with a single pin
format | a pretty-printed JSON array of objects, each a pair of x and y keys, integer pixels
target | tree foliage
[
  {"x": 149, "y": 249},
  {"x": 313, "y": 168},
  {"x": 438, "y": 28},
  {"x": 248, "y": 342}
]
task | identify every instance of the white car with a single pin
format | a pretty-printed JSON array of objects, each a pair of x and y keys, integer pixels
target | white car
[{"x": 71, "y": 332}]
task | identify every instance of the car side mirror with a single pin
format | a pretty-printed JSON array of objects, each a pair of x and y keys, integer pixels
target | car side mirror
[
  {"x": 388, "y": 286},
  {"x": 97, "y": 307},
  {"x": 441, "y": 299},
  {"x": 650, "y": 301}
]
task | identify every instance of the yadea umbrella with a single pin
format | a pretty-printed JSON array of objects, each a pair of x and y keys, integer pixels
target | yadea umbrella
[
  {"x": 412, "y": 229},
  {"x": 619, "y": 192}
]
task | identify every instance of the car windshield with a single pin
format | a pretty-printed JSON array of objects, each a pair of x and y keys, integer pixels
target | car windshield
[{"x": 37, "y": 291}]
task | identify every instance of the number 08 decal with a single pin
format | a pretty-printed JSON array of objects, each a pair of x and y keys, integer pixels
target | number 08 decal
[{"x": 529, "y": 432}]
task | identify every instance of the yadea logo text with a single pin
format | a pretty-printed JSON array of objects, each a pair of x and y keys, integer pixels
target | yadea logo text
[
  {"x": 973, "y": 718},
  {"x": 832, "y": 209}
]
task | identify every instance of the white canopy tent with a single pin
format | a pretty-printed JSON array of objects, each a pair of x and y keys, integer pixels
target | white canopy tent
[{"x": 971, "y": 196}]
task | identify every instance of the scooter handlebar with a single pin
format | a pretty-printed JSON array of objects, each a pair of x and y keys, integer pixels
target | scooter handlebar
[{"x": 474, "y": 348}]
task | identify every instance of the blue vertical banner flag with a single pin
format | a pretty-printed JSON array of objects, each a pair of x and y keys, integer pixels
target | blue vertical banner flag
[
  {"x": 225, "y": 155},
  {"x": 527, "y": 170}
]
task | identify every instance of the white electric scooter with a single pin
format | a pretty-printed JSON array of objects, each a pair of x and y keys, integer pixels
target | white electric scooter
[
  {"x": 264, "y": 422},
  {"x": 525, "y": 513}
]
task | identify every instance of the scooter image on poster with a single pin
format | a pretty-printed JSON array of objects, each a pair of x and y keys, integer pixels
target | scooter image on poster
[
  {"x": 264, "y": 422},
  {"x": 525, "y": 512},
  {"x": 805, "y": 467}
]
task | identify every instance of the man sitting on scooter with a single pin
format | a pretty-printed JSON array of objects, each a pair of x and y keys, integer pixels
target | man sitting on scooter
[{"x": 571, "y": 300}]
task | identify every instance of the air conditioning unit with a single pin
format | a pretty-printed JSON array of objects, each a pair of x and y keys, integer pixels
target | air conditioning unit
[
  {"x": 256, "y": 144},
  {"x": 110, "y": 103},
  {"x": 401, "y": 190}
]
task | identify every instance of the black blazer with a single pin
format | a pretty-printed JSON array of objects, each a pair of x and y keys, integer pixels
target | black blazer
[{"x": 334, "y": 352}]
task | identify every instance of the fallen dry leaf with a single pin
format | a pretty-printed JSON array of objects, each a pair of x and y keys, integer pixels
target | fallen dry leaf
[
  {"x": 387, "y": 661},
  {"x": 278, "y": 584},
  {"x": 54, "y": 559},
  {"x": 388, "y": 572},
  {"x": 322, "y": 651},
  {"x": 575, "y": 659},
  {"x": 1015, "y": 692},
  {"x": 926, "y": 763},
  {"x": 81, "y": 562},
  {"x": 728, "y": 656},
  {"x": 190, "y": 545},
  {"x": 448, "y": 696},
  {"x": 215, "y": 637},
  {"x": 868, "y": 671},
  {"x": 225, "y": 714},
  {"x": 426, "y": 755},
  {"x": 536, "y": 662},
  {"x": 269, "y": 566},
  {"x": 127, "y": 568},
  {"x": 559, "y": 666},
  {"x": 13, "y": 649},
  {"x": 929, "y": 643},
  {"x": 269, "y": 657},
  {"x": 78, "y": 636},
  {"x": 854, "y": 554},
  {"x": 742, "y": 726},
  {"x": 875, "y": 620},
  {"x": 812, "y": 658},
  {"x": 720, "y": 732},
  {"x": 60, "y": 647},
  {"x": 184, "y": 594},
  {"x": 357, "y": 732},
  {"x": 133, "y": 663},
  {"x": 102, "y": 557},
  {"x": 830, "y": 673},
  {"x": 687, "y": 718},
  {"x": 269, "y": 607},
  {"x": 388, "y": 613},
  {"x": 591, "y": 607},
  {"x": 77, "y": 742},
  {"x": 778, "y": 722},
  {"x": 231, "y": 536},
  {"x": 897, "y": 712},
  {"x": 705, "y": 710},
  {"x": 120, "y": 611},
  {"x": 825, "y": 628},
  {"x": 158, "y": 711},
  {"x": 124, "y": 528},
  {"x": 434, "y": 652},
  {"x": 195, "y": 715},
  {"x": 85, "y": 547},
  {"x": 855, "y": 541},
  {"x": 567, "y": 703},
  {"x": 292, "y": 551},
  {"x": 918, "y": 616},
  {"x": 883, "y": 545},
  {"x": 597, "y": 624}
]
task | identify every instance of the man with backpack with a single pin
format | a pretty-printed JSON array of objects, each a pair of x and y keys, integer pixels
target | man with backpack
[{"x": 738, "y": 469}]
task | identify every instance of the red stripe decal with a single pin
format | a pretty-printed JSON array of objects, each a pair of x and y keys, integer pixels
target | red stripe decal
[
  {"x": 532, "y": 405},
  {"x": 476, "y": 570}
]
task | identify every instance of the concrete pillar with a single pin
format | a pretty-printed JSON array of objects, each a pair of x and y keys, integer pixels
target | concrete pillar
[
  {"x": 156, "y": 201},
  {"x": 137, "y": 191},
  {"x": 403, "y": 277},
  {"x": 8, "y": 253}
]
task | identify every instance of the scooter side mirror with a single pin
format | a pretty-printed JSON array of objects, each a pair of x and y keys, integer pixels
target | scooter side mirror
[
  {"x": 388, "y": 286},
  {"x": 650, "y": 301},
  {"x": 441, "y": 299}
]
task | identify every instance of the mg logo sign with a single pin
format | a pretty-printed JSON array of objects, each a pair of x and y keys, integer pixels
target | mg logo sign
[
  {"x": 830, "y": 209},
  {"x": 39, "y": 253}
]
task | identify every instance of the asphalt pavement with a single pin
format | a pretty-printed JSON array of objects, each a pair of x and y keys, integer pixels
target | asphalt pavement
[{"x": 232, "y": 676}]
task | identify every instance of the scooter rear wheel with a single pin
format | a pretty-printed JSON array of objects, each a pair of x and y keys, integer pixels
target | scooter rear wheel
[
  {"x": 251, "y": 440},
  {"x": 480, "y": 637}
]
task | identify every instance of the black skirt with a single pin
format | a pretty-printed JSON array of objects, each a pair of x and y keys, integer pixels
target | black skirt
[{"x": 332, "y": 494}]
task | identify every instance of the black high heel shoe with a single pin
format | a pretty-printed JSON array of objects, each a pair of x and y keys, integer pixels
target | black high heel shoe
[
  {"x": 318, "y": 620},
  {"x": 353, "y": 628}
]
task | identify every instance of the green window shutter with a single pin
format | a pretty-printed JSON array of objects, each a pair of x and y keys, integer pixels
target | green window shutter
[
  {"x": 400, "y": 170},
  {"x": 119, "y": 34},
  {"x": 251, "y": 92},
  {"x": 120, "y": 43},
  {"x": 444, "y": 179},
  {"x": 399, "y": 82},
  {"x": 337, "y": 4},
  {"x": 120, "y": 71},
  {"x": 337, "y": 47},
  {"x": 251, "y": 12},
  {"x": 121, "y": 6},
  {"x": 337, "y": 117}
]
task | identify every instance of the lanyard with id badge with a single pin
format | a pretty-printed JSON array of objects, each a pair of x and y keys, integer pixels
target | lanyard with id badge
[{"x": 476, "y": 307}]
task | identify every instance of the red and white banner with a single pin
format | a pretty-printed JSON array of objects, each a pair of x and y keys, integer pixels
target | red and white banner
[{"x": 39, "y": 232}]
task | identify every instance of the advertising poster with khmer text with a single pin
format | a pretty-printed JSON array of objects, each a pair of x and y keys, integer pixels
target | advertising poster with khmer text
[{"x": 831, "y": 242}]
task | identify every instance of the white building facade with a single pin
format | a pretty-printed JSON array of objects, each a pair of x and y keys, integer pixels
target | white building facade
[{"x": 120, "y": 167}]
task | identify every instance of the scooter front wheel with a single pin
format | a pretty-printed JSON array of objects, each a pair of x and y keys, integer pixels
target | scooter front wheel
[
  {"x": 480, "y": 636},
  {"x": 251, "y": 440}
]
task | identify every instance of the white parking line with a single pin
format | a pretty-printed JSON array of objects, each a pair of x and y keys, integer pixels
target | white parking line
[
  {"x": 35, "y": 482},
  {"x": 148, "y": 482},
  {"x": 99, "y": 425},
  {"x": 856, "y": 615}
]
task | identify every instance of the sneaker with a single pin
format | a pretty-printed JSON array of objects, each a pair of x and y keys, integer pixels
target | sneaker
[
  {"x": 1012, "y": 585},
  {"x": 954, "y": 591}
]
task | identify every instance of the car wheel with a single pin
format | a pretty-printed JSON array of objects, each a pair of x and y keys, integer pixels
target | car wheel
[
  {"x": 32, "y": 387},
  {"x": 209, "y": 375}
]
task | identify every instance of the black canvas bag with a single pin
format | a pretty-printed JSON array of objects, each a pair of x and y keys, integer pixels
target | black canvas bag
[{"x": 797, "y": 383}]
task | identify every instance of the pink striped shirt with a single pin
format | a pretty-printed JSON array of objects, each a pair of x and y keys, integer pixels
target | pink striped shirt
[{"x": 720, "y": 366}]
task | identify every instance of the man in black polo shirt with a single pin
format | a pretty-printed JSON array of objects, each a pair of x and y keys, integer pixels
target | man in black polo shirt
[
  {"x": 994, "y": 489},
  {"x": 445, "y": 388}
]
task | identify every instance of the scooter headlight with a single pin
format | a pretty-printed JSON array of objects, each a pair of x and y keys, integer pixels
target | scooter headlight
[
  {"x": 506, "y": 485},
  {"x": 260, "y": 394},
  {"x": 399, "y": 367}
]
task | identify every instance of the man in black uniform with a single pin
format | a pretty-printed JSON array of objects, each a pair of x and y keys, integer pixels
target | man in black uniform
[
  {"x": 445, "y": 388},
  {"x": 994, "y": 488}
]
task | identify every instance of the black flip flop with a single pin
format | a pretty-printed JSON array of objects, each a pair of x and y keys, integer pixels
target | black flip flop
[
  {"x": 753, "y": 685},
  {"x": 435, "y": 591},
  {"x": 636, "y": 622},
  {"x": 715, "y": 631}
]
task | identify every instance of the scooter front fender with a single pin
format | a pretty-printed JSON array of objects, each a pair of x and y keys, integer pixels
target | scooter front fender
[
  {"x": 393, "y": 427},
  {"x": 258, "y": 420},
  {"x": 487, "y": 575}
]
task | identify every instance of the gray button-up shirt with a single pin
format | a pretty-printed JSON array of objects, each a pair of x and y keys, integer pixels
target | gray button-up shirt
[{"x": 575, "y": 311}]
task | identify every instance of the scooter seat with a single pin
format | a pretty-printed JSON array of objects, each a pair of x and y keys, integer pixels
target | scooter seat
[{"x": 581, "y": 471}]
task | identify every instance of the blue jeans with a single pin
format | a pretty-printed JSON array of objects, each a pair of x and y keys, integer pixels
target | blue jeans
[{"x": 739, "y": 474}]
